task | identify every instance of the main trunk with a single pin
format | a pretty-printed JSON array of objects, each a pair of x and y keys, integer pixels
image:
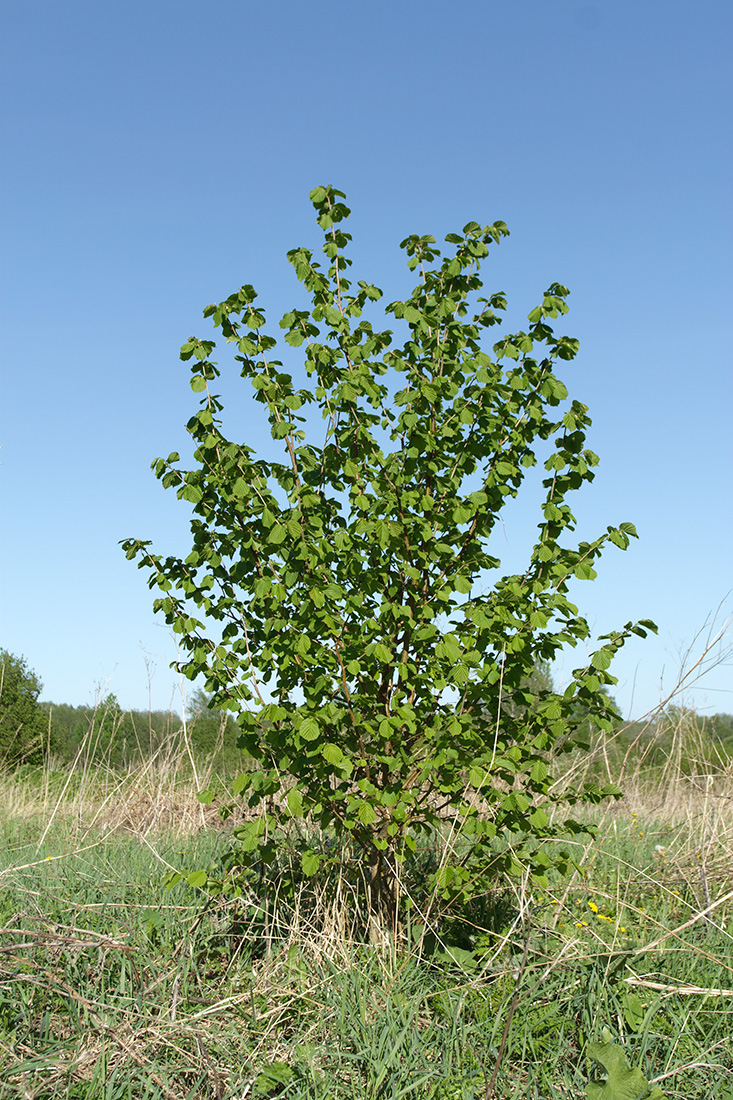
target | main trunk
[{"x": 382, "y": 896}]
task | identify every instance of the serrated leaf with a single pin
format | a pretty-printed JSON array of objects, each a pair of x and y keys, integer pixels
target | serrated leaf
[
  {"x": 295, "y": 802},
  {"x": 477, "y": 777},
  {"x": 272, "y": 1077},
  {"x": 538, "y": 771},
  {"x": 584, "y": 571},
  {"x": 601, "y": 660},
  {"x": 241, "y": 783},
  {"x": 331, "y": 753},
  {"x": 309, "y": 729},
  {"x": 366, "y": 813}
]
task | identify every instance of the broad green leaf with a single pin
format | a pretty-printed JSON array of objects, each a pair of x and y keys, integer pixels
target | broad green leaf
[
  {"x": 366, "y": 813},
  {"x": 538, "y": 772},
  {"x": 622, "y": 1083},
  {"x": 295, "y": 802},
  {"x": 309, "y": 729},
  {"x": 241, "y": 783},
  {"x": 310, "y": 862},
  {"x": 331, "y": 753}
]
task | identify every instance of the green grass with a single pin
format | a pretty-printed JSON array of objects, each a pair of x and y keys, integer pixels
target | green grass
[{"x": 113, "y": 987}]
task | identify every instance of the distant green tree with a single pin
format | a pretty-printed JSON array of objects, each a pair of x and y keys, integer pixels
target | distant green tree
[
  {"x": 719, "y": 727},
  {"x": 106, "y": 733},
  {"x": 213, "y": 732},
  {"x": 23, "y": 723}
]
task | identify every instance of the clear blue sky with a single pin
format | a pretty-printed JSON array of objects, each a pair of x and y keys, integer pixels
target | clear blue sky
[{"x": 156, "y": 156}]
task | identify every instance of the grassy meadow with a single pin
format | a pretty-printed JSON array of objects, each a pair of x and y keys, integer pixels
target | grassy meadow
[{"x": 112, "y": 986}]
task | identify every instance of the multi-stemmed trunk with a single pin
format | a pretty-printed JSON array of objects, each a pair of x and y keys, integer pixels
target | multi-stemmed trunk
[{"x": 382, "y": 895}]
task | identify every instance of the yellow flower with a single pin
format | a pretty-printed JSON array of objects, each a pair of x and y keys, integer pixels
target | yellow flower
[
  {"x": 581, "y": 924},
  {"x": 592, "y": 905},
  {"x": 621, "y": 929}
]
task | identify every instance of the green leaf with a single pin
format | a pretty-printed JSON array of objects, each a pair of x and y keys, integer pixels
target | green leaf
[
  {"x": 584, "y": 571},
  {"x": 633, "y": 1009},
  {"x": 366, "y": 813},
  {"x": 274, "y": 1076},
  {"x": 309, "y": 729},
  {"x": 601, "y": 659},
  {"x": 241, "y": 783},
  {"x": 622, "y": 1083},
  {"x": 295, "y": 802},
  {"x": 477, "y": 777},
  {"x": 331, "y": 753},
  {"x": 197, "y": 878},
  {"x": 310, "y": 861},
  {"x": 538, "y": 772}
]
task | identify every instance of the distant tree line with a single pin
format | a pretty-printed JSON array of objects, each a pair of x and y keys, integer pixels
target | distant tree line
[
  {"x": 105, "y": 734},
  {"x": 31, "y": 731}
]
